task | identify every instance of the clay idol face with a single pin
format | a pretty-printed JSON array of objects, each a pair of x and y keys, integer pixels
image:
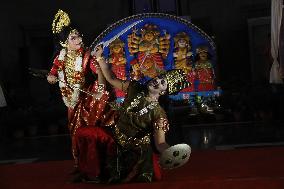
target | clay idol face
[{"x": 182, "y": 43}]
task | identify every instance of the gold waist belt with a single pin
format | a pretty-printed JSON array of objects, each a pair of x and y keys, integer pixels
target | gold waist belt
[{"x": 130, "y": 142}]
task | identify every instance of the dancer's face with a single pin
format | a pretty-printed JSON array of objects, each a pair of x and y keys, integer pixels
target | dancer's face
[
  {"x": 74, "y": 41},
  {"x": 157, "y": 85}
]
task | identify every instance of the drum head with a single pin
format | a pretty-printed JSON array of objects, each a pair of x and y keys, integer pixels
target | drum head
[{"x": 175, "y": 156}]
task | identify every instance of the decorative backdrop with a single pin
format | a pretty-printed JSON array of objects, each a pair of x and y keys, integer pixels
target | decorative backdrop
[{"x": 159, "y": 42}]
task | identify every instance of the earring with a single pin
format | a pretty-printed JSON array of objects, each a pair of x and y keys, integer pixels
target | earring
[
  {"x": 162, "y": 92},
  {"x": 63, "y": 44}
]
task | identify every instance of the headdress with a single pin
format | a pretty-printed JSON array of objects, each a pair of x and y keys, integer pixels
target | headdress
[
  {"x": 176, "y": 80},
  {"x": 181, "y": 35},
  {"x": 61, "y": 27},
  {"x": 60, "y": 21},
  {"x": 117, "y": 42},
  {"x": 150, "y": 28},
  {"x": 201, "y": 49}
]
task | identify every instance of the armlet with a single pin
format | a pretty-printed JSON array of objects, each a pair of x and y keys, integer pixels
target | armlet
[{"x": 161, "y": 124}]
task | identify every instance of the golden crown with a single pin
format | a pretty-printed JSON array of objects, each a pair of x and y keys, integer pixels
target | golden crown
[
  {"x": 60, "y": 21},
  {"x": 181, "y": 35},
  {"x": 118, "y": 42},
  {"x": 202, "y": 49},
  {"x": 150, "y": 28}
]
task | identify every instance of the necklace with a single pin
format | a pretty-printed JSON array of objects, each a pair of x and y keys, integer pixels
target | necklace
[
  {"x": 144, "y": 110},
  {"x": 151, "y": 99},
  {"x": 72, "y": 74}
]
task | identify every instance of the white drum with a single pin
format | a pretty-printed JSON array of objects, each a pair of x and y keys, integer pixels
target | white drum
[{"x": 175, "y": 156}]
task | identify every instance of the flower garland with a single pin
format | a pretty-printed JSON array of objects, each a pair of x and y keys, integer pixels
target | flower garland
[{"x": 70, "y": 96}]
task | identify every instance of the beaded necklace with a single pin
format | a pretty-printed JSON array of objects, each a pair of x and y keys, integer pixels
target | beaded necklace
[{"x": 136, "y": 101}]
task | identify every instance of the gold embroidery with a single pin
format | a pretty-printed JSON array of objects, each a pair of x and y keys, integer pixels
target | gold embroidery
[
  {"x": 126, "y": 141},
  {"x": 206, "y": 65}
]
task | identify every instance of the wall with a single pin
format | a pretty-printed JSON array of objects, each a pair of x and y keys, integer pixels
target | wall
[
  {"x": 227, "y": 21},
  {"x": 26, "y": 38}
]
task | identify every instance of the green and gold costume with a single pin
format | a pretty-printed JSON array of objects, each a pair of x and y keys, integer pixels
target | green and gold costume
[{"x": 134, "y": 135}]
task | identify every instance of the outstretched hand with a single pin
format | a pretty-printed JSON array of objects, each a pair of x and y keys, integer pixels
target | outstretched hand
[{"x": 52, "y": 79}]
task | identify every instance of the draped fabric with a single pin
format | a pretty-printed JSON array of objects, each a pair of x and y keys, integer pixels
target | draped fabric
[
  {"x": 118, "y": 153},
  {"x": 150, "y": 64},
  {"x": 3, "y": 102},
  {"x": 205, "y": 75},
  {"x": 137, "y": 158},
  {"x": 276, "y": 18},
  {"x": 95, "y": 146},
  {"x": 84, "y": 110},
  {"x": 87, "y": 113},
  {"x": 281, "y": 46},
  {"x": 155, "y": 57}
]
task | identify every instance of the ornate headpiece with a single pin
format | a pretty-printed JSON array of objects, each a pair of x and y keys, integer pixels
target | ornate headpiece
[
  {"x": 176, "y": 80},
  {"x": 181, "y": 35},
  {"x": 201, "y": 49},
  {"x": 150, "y": 28},
  {"x": 60, "y": 21},
  {"x": 117, "y": 42}
]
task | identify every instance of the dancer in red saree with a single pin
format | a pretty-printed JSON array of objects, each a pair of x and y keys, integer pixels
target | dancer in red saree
[{"x": 74, "y": 69}]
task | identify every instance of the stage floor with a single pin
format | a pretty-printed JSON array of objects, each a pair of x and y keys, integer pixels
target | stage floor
[
  {"x": 249, "y": 168},
  {"x": 243, "y": 160}
]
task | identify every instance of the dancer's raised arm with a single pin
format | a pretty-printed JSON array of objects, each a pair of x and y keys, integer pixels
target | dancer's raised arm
[{"x": 110, "y": 77}]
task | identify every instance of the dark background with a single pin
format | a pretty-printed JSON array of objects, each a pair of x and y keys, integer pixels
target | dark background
[
  {"x": 26, "y": 38},
  {"x": 240, "y": 29}
]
